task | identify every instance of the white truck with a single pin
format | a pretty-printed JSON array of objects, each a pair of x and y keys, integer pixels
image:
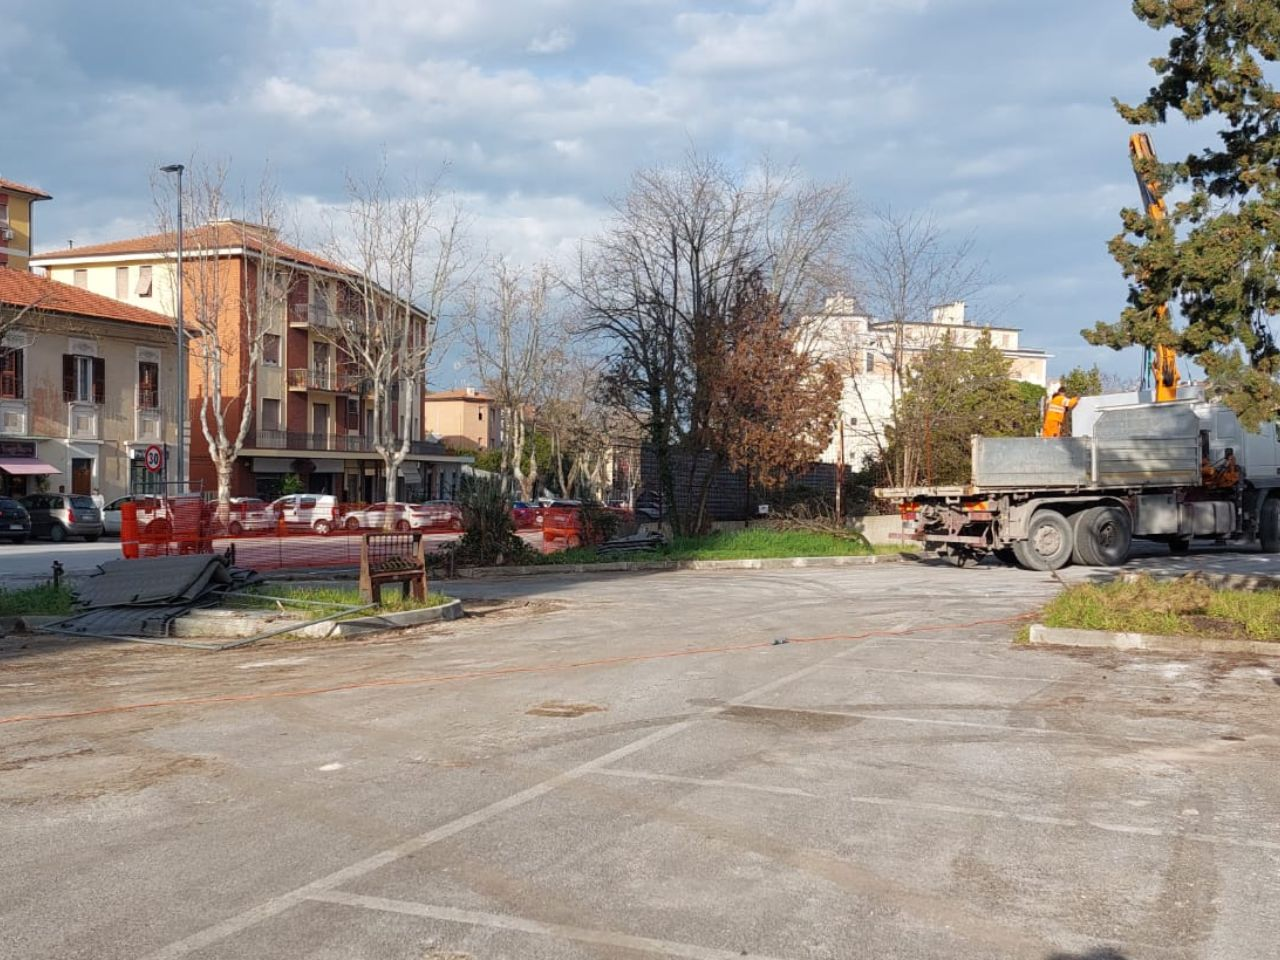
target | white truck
[{"x": 1167, "y": 472}]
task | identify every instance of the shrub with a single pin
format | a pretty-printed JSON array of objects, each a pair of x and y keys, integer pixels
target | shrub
[
  {"x": 599, "y": 523},
  {"x": 489, "y": 534}
]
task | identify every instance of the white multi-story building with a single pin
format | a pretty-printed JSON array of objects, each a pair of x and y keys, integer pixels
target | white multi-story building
[{"x": 866, "y": 349}]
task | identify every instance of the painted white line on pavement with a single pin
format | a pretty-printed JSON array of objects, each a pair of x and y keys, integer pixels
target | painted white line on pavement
[
  {"x": 502, "y": 921},
  {"x": 701, "y": 782},
  {"x": 1108, "y": 685},
  {"x": 932, "y": 721},
  {"x": 278, "y": 904},
  {"x": 996, "y": 814}
]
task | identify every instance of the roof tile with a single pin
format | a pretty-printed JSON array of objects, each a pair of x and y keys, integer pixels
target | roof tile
[
  {"x": 15, "y": 187},
  {"x": 19, "y": 289}
]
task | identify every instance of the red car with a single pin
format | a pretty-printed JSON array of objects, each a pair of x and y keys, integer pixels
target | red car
[{"x": 525, "y": 515}]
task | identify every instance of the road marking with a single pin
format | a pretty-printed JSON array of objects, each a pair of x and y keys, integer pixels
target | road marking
[
  {"x": 701, "y": 782},
  {"x": 502, "y": 921},
  {"x": 1107, "y": 685},
  {"x": 280, "y": 662},
  {"x": 932, "y": 721},
  {"x": 996, "y": 814},
  {"x": 279, "y": 904},
  {"x": 329, "y": 766}
]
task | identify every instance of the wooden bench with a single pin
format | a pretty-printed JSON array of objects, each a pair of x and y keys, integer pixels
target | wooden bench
[{"x": 393, "y": 558}]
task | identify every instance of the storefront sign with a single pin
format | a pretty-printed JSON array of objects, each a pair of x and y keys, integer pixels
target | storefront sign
[{"x": 17, "y": 448}]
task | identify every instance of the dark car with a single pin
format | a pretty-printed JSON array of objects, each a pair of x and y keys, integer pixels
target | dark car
[
  {"x": 15, "y": 522},
  {"x": 61, "y": 515}
]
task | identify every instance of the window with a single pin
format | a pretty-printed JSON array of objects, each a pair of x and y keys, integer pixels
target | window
[
  {"x": 80, "y": 278},
  {"x": 271, "y": 349},
  {"x": 83, "y": 379},
  {"x": 11, "y": 378},
  {"x": 144, "y": 282},
  {"x": 320, "y": 357},
  {"x": 869, "y": 362},
  {"x": 353, "y": 415},
  {"x": 148, "y": 385},
  {"x": 270, "y": 414},
  {"x": 4, "y": 214},
  {"x": 122, "y": 283},
  {"x": 480, "y": 414}
]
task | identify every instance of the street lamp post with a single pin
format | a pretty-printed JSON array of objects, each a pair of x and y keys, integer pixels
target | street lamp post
[{"x": 182, "y": 344}]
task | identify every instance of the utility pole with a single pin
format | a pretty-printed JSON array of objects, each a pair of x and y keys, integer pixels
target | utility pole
[{"x": 182, "y": 345}]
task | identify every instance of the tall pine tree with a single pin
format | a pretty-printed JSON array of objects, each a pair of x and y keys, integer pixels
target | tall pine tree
[{"x": 1216, "y": 254}]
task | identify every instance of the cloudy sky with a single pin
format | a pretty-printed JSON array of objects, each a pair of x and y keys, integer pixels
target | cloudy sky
[{"x": 994, "y": 115}]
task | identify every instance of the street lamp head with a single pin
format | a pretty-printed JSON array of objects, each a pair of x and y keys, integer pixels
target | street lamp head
[{"x": 172, "y": 168}]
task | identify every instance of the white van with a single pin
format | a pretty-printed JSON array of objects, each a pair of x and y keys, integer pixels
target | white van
[{"x": 307, "y": 511}]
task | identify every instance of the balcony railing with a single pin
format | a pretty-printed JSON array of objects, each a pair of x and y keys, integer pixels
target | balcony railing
[
  {"x": 331, "y": 442},
  {"x": 309, "y": 378},
  {"x": 312, "y": 315},
  {"x": 148, "y": 398}
]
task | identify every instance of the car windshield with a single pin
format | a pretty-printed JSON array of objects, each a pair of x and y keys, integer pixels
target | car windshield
[{"x": 83, "y": 503}]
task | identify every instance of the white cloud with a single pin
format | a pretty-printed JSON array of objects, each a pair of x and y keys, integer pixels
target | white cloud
[{"x": 557, "y": 40}]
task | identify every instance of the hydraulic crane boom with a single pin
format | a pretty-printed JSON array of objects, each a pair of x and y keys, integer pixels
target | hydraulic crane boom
[{"x": 1163, "y": 360}]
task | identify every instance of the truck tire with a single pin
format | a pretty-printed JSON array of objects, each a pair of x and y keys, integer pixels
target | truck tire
[
  {"x": 1269, "y": 525},
  {"x": 1103, "y": 536},
  {"x": 1049, "y": 542}
]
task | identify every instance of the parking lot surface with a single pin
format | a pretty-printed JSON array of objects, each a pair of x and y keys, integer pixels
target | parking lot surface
[{"x": 813, "y": 763}]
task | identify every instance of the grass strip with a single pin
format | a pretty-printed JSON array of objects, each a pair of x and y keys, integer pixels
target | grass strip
[{"x": 44, "y": 600}]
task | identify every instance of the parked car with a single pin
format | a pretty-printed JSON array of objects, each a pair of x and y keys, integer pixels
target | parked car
[
  {"x": 61, "y": 515},
  {"x": 524, "y": 515},
  {"x": 244, "y": 515},
  {"x": 307, "y": 511},
  {"x": 15, "y": 522},
  {"x": 111, "y": 515},
  {"x": 440, "y": 513},
  {"x": 384, "y": 516}
]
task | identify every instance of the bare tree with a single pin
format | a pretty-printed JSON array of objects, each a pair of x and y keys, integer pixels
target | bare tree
[
  {"x": 509, "y": 328},
  {"x": 230, "y": 306},
  {"x": 654, "y": 284},
  {"x": 906, "y": 266},
  {"x": 402, "y": 247}
]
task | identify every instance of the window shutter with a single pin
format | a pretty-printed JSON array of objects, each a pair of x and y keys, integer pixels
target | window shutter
[
  {"x": 99, "y": 380},
  {"x": 68, "y": 377}
]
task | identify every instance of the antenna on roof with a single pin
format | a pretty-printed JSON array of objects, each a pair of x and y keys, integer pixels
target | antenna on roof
[{"x": 70, "y": 244}]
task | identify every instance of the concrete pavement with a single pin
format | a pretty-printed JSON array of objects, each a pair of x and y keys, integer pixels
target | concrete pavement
[{"x": 631, "y": 766}]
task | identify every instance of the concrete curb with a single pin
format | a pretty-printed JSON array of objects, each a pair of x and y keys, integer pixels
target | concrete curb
[
  {"x": 660, "y": 566},
  {"x": 1067, "y": 637}
]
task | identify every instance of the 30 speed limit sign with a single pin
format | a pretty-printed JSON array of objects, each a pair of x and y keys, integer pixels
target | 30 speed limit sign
[{"x": 154, "y": 458}]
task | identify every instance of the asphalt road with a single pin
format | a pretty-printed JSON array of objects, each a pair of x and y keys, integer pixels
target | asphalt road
[{"x": 628, "y": 767}]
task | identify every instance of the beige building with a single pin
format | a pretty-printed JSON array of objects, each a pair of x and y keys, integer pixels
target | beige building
[
  {"x": 86, "y": 387},
  {"x": 16, "y": 201},
  {"x": 865, "y": 349},
  {"x": 463, "y": 419}
]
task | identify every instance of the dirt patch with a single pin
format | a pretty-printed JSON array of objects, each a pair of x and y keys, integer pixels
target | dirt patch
[
  {"x": 562, "y": 708},
  {"x": 85, "y": 775},
  {"x": 510, "y": 609},
  {"x": 800, "y": 720}
]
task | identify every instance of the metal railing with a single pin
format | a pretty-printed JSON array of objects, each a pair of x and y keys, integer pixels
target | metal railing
[
  {"x": 312, "y": 315},
  {"x": 312, "y": 378},
  {"x": 338, "y": 443}
]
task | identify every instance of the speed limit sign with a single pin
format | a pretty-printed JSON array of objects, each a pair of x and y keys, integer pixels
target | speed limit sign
[{"x": 154, "y": 458}]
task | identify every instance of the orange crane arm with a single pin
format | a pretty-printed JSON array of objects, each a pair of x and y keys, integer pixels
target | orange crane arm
[{"x": 1164, "y": 360}]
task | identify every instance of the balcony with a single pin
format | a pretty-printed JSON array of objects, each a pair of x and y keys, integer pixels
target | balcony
[
  {"x": 332, "y": 443},
  {"x": 307, "y": 378},
  {"x": 317, "y": 315}
]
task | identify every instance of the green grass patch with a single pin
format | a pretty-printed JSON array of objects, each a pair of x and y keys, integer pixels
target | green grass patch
[
  {"x": 319, "y": 600},
  {"x": 42, "y": 601},
  {"x": 751, "y": 544},
  {"x": 1185, "y": 607}
]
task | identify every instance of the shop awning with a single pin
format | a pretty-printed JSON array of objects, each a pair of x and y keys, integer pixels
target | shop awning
[{"x": 24, "y": 467}]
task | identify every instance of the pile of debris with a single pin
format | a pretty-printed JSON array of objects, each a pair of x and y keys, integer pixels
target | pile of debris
[
  {"x": 636, "y": 543},
  {"x": 140, "y": 599}
]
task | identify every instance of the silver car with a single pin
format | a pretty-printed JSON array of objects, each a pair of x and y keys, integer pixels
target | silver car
[{"x": 61, "y": 515}]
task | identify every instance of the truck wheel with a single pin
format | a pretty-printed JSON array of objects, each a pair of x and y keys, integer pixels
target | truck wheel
[
  {"x": 1103, "y": 536},
  {"x": 1269, "y": 526},
  {"x": 1049, "y": 542}
]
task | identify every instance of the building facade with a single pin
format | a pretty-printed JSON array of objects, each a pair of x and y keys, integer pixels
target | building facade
[
  {"x": 16, "y": 201},
  {"x": 86, "y": 387},
  {"x": 463, "y": 419},
  {"x": 312, "y": 412},
  {"x": 872, "y": 354}
]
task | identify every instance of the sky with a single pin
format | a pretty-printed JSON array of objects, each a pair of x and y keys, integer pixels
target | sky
[{"x": 993, "y": 116}]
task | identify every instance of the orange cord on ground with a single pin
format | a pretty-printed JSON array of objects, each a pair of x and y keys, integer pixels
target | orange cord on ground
[{"x": 501, "y": 672}]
